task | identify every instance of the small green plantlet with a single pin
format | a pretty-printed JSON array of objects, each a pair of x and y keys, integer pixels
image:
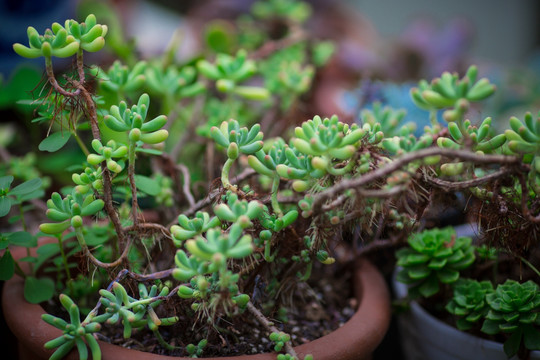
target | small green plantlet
[
  {"x": 237, "y": 141},
  {"x": 109, "y": 153},
  {"x": 433, "y": 257},
  {"x": 524, "y": 139},
  {"x": 189, "y": 228},
  {"x": 76, "y": 333},
  {"x": 513, "y": 309},
  {"x": 279, "y": 338},
  {"x": 297, "y": 11},
  {"x": 68, "y": 211},
  {"x": 229, "y": 71},
  {"x": 448, "y": 90},
  {"x": 120, "y": 79},
  {"x": 196, "y": 351},
  {"x": 390, "y": 120},
  {"x": 328, "y": 140}
]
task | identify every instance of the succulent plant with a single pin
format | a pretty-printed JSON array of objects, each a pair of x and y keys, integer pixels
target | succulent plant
[
  {"x": 469, "y": 302},
  {"x": 513, "y": 309},
  {"x": 433, "y": 256},
  {"x": 76, "y": 333}
]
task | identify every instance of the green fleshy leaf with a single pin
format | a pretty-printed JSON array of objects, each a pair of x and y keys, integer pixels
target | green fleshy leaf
[
  {"x": 531, "y": 338},
  {"x": 26, "y": 187},
  {"x": 7, "y": 266},
  {"x": 5, "y": 181},
  {"x": 22, "y": 238},
  {"x": 147, "y": 185},
  {"x": 55, "y": 141},
  {"x": 36, "y": 194},
  {"x": 511, "y": 346},
  {"x": 490, "y": 327},
  {"x": 38, "y": 290},
  {"x": 448, "y": 276},
  {"x": 429, "y": 287},
  {"x": 149, "y": 151},
  {"x": 5, "y": 205}
]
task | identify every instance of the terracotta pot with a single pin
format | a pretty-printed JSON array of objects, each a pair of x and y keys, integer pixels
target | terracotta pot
[{"x": 356, "y": 339}]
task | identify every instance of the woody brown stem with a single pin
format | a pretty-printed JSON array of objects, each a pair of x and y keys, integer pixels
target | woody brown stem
[{"x": 379, "y": 173}]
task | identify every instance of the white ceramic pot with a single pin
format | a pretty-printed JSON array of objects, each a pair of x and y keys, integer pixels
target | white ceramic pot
[{"x": 424, "y": 337}]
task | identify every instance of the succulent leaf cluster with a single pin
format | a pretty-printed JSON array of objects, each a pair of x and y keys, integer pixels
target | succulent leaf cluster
[
  {"x": 238, "y": 139},
  {"x": 113, "y": 153},
  {"x": 514, "y": 309},
  {"x": 228, "y": 71},
  {"x": 90, "y": 179},
  {"x": 64, "y": 41},
  {"x": 450, "y": 91},
  {"x": 68, "y": 211},
  {"x": 296, "y": 11},
  {"x": 524, "y": 139},
  {"x": 130, "y": 312},
  {"x": 120, "y": 78},
  {"x": 189, "y": 228},
  {"x": 75, "y": 333},
  {"x": 390, "y": 120},
  {"x": 469, "y": 302},
  {"x": 433, "y": 256},
  {"x": 123, "y": 119},
  {"x": 171, "y": 81}
]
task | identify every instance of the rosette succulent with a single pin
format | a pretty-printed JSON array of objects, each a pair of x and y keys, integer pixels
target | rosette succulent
[
  {"x": 469, "y": 302},
  {"x": 433, "y": 256},
  {"x": 514, "y": 309}
]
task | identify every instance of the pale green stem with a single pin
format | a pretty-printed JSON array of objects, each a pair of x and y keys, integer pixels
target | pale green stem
[
  {"x": 25, "y": 228},
  {"x": 433, "y": 117},
  {"x": 225, "y": 174},
  {"x": 163, "y": 343},
  {"x": 306, "y": 276},
  {"x": 533, "y": 268},
  {"x": 65, "y": 263},
  {"x": 132, "y": 185},
  {"x": 341, "y": 171},
  {"x": 268, "y": 250},
  {"x": 80, "y": 238},
  {"x": 80, "y": 143},
  {"x": 274, "y": 196}
]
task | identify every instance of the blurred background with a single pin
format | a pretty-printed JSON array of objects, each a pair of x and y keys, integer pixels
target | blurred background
[{"x": 382, "y": 48}]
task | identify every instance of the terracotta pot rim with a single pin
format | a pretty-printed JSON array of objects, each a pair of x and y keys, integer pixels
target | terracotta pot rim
[{"x": 360, "y": 335}]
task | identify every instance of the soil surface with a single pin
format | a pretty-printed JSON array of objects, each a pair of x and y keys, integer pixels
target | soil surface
[{"x": 313, "y": 310}]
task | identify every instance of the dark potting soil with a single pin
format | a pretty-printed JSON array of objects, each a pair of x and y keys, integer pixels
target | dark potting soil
[{"x": 314, "y": 310}]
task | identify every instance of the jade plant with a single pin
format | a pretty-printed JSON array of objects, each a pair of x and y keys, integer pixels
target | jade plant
[{"x": 193, "y": 199}]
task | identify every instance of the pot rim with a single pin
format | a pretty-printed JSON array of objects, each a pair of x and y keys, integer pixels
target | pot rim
[{"x": 361, "y": 334}]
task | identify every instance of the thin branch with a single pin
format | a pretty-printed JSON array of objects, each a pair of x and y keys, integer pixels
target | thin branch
[
  {"x": 150, "y": 226},
  {"x": 107, "y": 183},
  {"x": 191, "y": 123},
  {"x": 370, "y": 177},
  {"x": 270, "y": 47},
  {"x": 125, "y": 272},
  {"x": 104, "y": 265},
  {"x": 54, "y": 83},
  {"x": 215, "y": 193},
  {"x": 524, "y": 199},
  {"x": 186, "y": 187},
  {"x": 269, "y": 326},
  {"x": 375, "y": 246},
  {"x": 458, "y": 185}
]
